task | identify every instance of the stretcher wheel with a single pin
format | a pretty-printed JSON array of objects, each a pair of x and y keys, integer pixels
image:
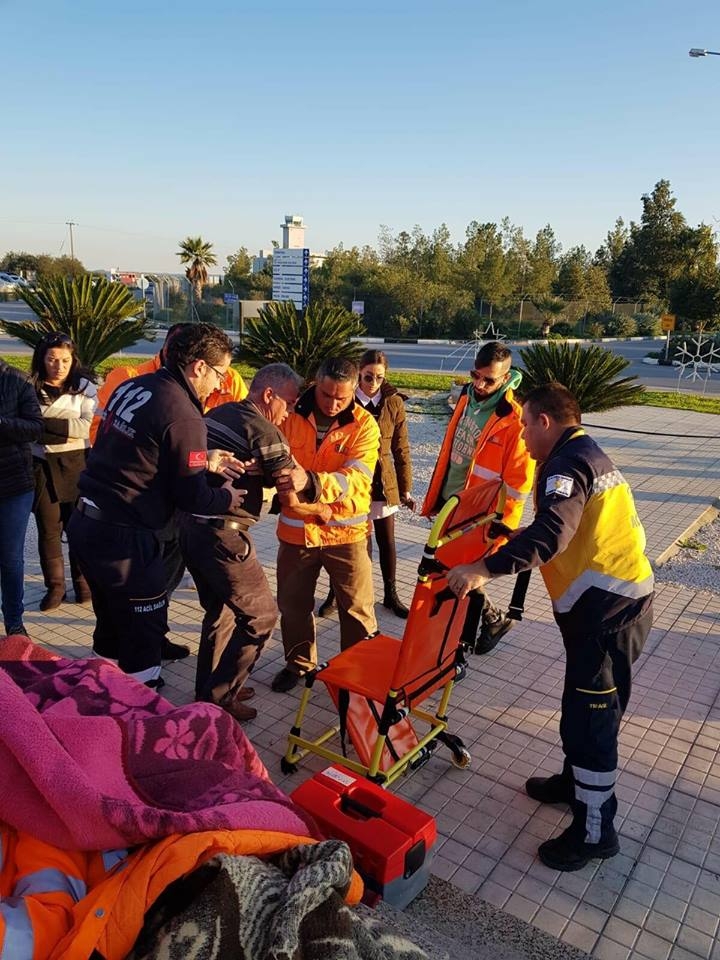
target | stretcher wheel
[
  {"x": 460, "y": 756},
  {"x": 287, "y": 767},
  {"x": 461, "y": 759}
]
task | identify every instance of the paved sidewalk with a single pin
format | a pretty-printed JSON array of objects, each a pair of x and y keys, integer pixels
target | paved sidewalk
[{"x": 660, "y": 898}]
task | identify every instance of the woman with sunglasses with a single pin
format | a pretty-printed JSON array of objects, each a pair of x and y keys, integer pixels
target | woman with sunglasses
[
  {"x": 392, "y": 481},
  {"x": 67, "y": 398}
]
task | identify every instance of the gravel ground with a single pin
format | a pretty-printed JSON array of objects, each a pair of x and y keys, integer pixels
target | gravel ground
[
  {"x": 698, "y": 569},
  {"x": 697, "y": 565}
]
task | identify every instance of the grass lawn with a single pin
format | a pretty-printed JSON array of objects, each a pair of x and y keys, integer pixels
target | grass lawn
[{"x": 437, "y": 381}]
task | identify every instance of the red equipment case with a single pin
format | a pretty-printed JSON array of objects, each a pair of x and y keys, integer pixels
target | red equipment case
[{"x": 391, "y": 840}]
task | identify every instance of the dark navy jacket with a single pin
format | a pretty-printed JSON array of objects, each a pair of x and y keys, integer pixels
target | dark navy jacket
[{"x": 150, "y": 454}]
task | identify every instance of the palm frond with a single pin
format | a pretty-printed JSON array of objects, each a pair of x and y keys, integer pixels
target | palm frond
[
  {"x": 588, "y": 372},
  {"x": 282, "y": 334},
  {"x": 100, "y": 317}
]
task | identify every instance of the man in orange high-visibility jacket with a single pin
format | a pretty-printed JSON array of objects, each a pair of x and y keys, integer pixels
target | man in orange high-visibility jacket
[
  {"x": 483, "y": 442},
  {"x": 335, "y": 443}
]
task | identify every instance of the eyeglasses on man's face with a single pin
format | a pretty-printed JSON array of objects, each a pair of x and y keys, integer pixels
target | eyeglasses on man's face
[{"x": 218, "y": 373}]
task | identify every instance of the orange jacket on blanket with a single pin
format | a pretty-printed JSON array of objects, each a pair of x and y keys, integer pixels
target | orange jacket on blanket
[{"x": 61, "y": 905}]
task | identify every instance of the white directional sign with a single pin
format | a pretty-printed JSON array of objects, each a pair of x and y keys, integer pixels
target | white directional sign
[{"x": 291, "y": 276}]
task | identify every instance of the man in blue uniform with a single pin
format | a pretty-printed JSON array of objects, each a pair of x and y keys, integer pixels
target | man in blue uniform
[
  {"x": 150, "y": 459},
  {"x": 590, "y": 547}
]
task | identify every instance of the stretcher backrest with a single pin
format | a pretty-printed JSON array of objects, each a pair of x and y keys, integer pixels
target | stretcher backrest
[{"x": 436, "y": 618}]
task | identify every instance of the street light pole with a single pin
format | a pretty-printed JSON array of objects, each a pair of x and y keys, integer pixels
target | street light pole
[
  {"x": 71, "y": 224},
  {"x": 699, "y": 52}
]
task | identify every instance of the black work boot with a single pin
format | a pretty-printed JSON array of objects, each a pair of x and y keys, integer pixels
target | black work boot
[
  {"x": 328, "y": 605},
  {"x": 392, "y": 602},
  {"x": 174, "y": 651},
  {"x": 570, "y": 852},
  {"x": 493, "y": 626},
  {"x": 555, "y": 789}
]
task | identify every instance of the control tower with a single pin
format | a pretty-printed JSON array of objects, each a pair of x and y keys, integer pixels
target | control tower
[{"x": 293, "y": 232}]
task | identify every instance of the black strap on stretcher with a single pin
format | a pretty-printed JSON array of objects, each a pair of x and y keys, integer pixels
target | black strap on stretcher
[{"x": 517, "y": 601}]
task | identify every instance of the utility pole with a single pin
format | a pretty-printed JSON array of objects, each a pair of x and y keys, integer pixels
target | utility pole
[{"x": 71, "y": 224}]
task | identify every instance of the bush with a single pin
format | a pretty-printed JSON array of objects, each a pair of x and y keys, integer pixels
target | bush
[
  {"x": 620, "y": 325},
  {"x": 589, "y": 372},
  {"x": 282, "y": 334},
  {"x": 562, "y": 329},
  {"x": 648, "y": 324}
]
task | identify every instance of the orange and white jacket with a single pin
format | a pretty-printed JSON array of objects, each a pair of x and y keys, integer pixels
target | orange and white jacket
[
  {"x": 500, "y": 454},
  {"x": 63, "y": 905},
  {"x": 232, "y": 388},
  {"x": 343, "y": 465}
]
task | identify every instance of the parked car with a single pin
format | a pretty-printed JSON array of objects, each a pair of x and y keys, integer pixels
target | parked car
[{"x": 11, "y": 281}]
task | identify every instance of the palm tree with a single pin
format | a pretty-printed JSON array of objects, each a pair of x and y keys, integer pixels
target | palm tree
[
  {"x": 588, "y": 372},
  {"x": 282, "y": 334},
  {"x": 198, "y": 253},
  {"x": 99, "y": 316}
]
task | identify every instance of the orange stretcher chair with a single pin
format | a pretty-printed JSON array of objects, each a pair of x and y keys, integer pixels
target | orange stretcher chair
[{"x": 380, "y": 683}]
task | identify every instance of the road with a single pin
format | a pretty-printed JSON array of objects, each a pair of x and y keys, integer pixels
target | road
[{"x": 444, "y": 358}]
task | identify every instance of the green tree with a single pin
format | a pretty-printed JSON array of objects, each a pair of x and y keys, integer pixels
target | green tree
[
  {"x": 42, "y": 265},
  {"x": 653, "y": 256},
  {"x": 483, "y": 267},
  {"x": 239, "y": 265},
  {"x": 101, "y": 317},
  {"x": 597, "y": 289},
  {"x": 282, "y": 334},
  {"x": 608, "y": 254},
  {"x": 590, "y": 373},
  {"x": 542, "y": 264},
  {"x": 19, "y": 262},
  {"x": 572, "y": 273},
  {"x": 199, "y": 255}
]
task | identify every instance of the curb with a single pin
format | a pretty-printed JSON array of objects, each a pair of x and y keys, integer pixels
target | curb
[{"x": 707, "y": 516}]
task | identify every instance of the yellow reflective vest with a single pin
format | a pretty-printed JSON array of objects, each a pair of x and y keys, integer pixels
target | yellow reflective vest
[{"x": 586, "y": 538}]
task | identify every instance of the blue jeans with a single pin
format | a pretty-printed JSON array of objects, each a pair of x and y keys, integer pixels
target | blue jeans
[{"x": 14, "y": 516}]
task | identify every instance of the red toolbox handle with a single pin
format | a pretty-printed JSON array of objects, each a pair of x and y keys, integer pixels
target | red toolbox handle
[{"x": 349, "y": 805}]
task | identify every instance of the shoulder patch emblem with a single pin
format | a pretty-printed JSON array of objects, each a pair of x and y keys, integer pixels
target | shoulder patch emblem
[
  {"x": 197, "y": 458},
  {"x": 562, "y": 486}
]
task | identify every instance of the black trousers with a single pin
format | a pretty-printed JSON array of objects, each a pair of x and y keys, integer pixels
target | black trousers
[
  {"x": 52, "y": 518},
  {"x": 598, "y": 682},
  {"x": 125, "y": 573},
  {"x": 240, "y": 611},
  {"x": 171, "y": 554}
]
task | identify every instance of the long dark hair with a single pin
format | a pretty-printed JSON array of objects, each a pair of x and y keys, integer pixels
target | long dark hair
[{"x": 77, "y": 373}]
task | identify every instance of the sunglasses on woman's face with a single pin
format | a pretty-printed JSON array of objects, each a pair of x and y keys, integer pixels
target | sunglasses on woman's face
[{"x": 372, "y": 377}]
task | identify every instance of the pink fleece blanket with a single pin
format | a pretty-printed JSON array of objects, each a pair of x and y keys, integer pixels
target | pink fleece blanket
[{"x": 92, "y": 760}]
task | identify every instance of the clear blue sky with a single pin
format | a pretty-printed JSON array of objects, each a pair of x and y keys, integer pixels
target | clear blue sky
[{"x": 148, "y": 121}]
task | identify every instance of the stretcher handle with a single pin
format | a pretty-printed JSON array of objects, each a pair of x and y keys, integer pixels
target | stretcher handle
[{"x": 349, "y": 805}]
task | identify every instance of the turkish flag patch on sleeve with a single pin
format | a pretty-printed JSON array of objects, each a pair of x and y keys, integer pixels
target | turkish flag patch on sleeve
[{"x": 197, "y": 458}]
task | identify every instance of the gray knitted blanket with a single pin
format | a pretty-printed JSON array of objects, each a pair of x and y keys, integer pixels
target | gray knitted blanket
[{"x": 290, "y": 908}]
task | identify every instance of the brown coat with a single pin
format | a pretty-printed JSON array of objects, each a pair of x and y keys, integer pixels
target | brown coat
[{"x": 393, "y": 475}]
